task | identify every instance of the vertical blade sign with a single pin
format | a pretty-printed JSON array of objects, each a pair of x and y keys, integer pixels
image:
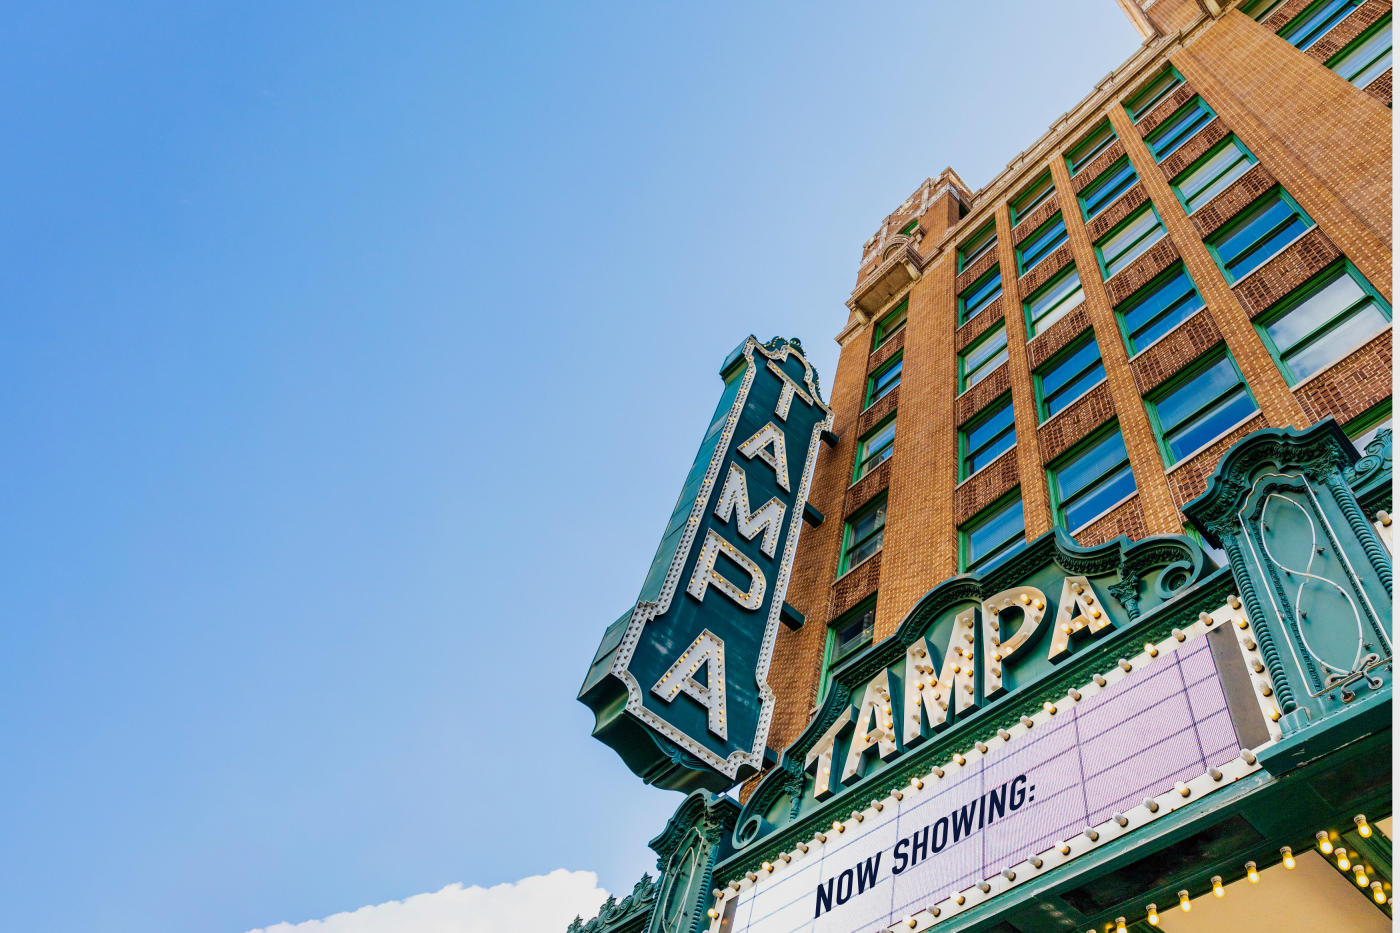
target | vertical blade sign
[{"x": 679, "y": 686}]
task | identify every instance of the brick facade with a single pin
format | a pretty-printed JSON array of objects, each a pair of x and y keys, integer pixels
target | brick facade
[{"x": 1324, "y": 141}]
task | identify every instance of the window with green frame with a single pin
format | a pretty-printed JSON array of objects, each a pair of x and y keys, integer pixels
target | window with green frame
[
  {"x": 1157, "y": 307},
  {"x": 1322, "y": 321},
  {"x": 891, "y": 324},
  {"x": 864, "y": 535},
  {"x": 1153, "y": 91},
  {"x": 994, "y": 533},
  {"x": 875, "y": 448},
  {"x": 1088, "y": 148},
  {"x": 909, "y": 228},
  {"x": 1105, "y": 189},
  {"x": 883, "y": 380},
  {"x": 1066, "y": 376},
  {"x": 1179, "y": 128},
  {"x": 848, "y": 634},
  {"x": 979, "y": 295},
  {"x": 987, "y": 436},
  {"x": 1054, "y": 300},
  {"x": 1032, "y": 197},
  {"x": 1212, "y": 173},
  {"x": 1044, "y": 241},
  {"x": 1316, "y": 21},
  {"x": 1257, "y": 234},
  {"x": 1364, "y": 427},
  {"x": 1129, "y": 240},
  {"x": 982, "y": 357},
  {"x": 1366, "y": 57},
  {"x": 1198, "y": 405},
  {"x": 974, "y": 249},
  {"x": 1258, "y": 9},
  {"x": 1090, "y": 479}
]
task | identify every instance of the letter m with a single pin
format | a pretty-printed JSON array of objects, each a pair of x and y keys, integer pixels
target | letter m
[{"x": 734, "y": 498}]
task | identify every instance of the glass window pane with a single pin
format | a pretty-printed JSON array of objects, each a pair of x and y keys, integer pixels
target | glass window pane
[
  {"x": 981, "y": 294},
  {"x": 1170, "y": 136},
  {"x": 1195, "y": 394},
  {"x": 1218, "y": 417},
  {"x": 1268, "y": 227},
  {"x": 1031, "y": 198},
  {"x": 1065, "y": 380},
  {"x": 985, "y": 356},
  {"x": 996, "y": 535},
  {"x": 891, "y": 323},
  {"x": 875, "y": 449},
  {"x": 1105, "y": 190},
  {"x": 1160, "y": 87},
  {"x": 1111, "y": 489},
  {"x": 1130, "y": 241},
  {"x": 1042, "y": 243},
  {"x": 886, "y": 379},
  {"x": 976, "y": 247},
  {"x": 1163, "y": 305},
  {"x": 1368, "y": 58},
  {"x": 1091, "y": 465},
  {"x": 988, "y": 438},
  {"x": 1095, "y": 143},
  {"x": 1054, "y": 301},
  {"x": 1330, "y": 345},
  {"x": 854, "y": 633},
  {"x": 1213, "y": 175},
  {"x": 1317, "y": 22}
]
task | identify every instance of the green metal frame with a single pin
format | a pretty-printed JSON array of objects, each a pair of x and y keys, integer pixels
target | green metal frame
[
  {"x": 881, "y": 333},
  {"x": 1100, "y": 182},
  {"x": 1368, "y": 419},
  {"x": 1086, "y": 150},
  {"x": 964, "y": 530},
  {"x": 1230, "y": 140},
  {"x": 1037, "y": 375},
  {"x": 1194, "y": 369},
  {"x": 861, "y": 445},
  {"x": 1383, "y": 23},
  {"x": 1239, "y": 219},
  {"x": 844, "y": 564},
  {"x": 1078, "y": 448},
  {"x": 829, "y": 657},
  {"x": 1023, "y": 203},
  {"x": 1302, "y": 294},
  {"x": 1134, "y": 104},
  {"x": 1021, "y": 267},
  {"x": 1118, "y": 227},
  {"x": 963, "y": 315},
  {"x": 963, "y": 258},
  {"x": 987, "y": 411},
  {"x": 898, "y": 358},
  {"x": 1070, "y": 270},
  {"x": 1157, "y": 281},
  {"x": 992, "y": 331},
  {"x": 1161, "y": 129}
]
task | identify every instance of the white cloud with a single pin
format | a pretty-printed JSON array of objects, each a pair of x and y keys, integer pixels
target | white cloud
[{"x": 538, "y": 904}]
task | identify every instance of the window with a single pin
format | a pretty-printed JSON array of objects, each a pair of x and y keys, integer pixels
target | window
[
  {"x": 1367, "y": 57},
  {"x": 1261, "y": 231},
  {"x": 1054, "y": 300},
  {"x": 978, "y": 295},
  {"x": 1028, "y": 200},
  {"x": 988, "y": 436},
  {"x": 982, "y": 357},
  {"x": 844, "y": 637},
  {"x": 883, "y": 380},
  {"x": 1316, "y": 21},
  {"x": 998, "y": 531},
  {"x": 1212, "y": 173},
  {"x": 1194, "y": 409},
  {"x": 1318, "y": 324},
  {"x": 1259, "y": 9},
  {"x": 1156, "y": 89},
  {"x": 865, "y": 533},
  {"x": 1129, "y": 240},
  {"x": 1157, "y": 307},
  {"x": 1068, "y": 375},
  {"x": 1042, "y": 243},
  {"x": 1178, "y": 128},
  {"x": 977, "y": 247},
  {"x": 874, "y": 449},
  {"x": 891, "y": 324},
  {"x": 1105, "y": 189},
  {"x": 1088, "y": 149},
  {"x": 909, "y": 228},
  {"x": 1090, "y": 480},
  {"x": 1364, "y": 428}
]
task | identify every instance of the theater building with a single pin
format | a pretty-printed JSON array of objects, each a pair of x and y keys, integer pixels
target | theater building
[{"x": 1069, "y": 606}]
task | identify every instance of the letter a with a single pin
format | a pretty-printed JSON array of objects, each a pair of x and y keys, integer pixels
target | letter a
[
  {"x": 769, "y": 445},
  {"x": 707, "y": 649},
  {"x": 705, "y": 573}
]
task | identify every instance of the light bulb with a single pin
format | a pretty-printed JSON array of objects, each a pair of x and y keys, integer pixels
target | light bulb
[
  {"x": 1122, "y": 925},
  {"x": 712, "y": 913},
  {"x": 1378, "y": 892},
  {"x": 1288, "y": 860},
  {"x": 1217, "y": 888},
  {"x": 1323, "y": 843},
  {"x": 1361, "y": 880},
  {"x": 1342, "y": 861},
  {"x": 1152, "y": 914},
  {"x": 1363, "y": 827},
  {"x": 1252, "y": 871},
  {"x": 1185, "y": 901}
]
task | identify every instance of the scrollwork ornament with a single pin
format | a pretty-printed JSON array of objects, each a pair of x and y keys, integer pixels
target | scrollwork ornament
[{"x": 1361, "y": 528}]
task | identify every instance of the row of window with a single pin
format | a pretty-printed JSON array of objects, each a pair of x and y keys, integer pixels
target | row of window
[{"x": 1084, "y": 484}]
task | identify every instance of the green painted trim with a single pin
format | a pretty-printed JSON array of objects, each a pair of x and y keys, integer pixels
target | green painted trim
[
  {"x": 1201, "y": 363},
  {"x": 1134, "y": 106},
  {"x": 998, "y": 327},
  {"x": 1087, "y": 149},
  {"x": 830, "y": 659},
  {"x": 1038, "y": 374},
  {"x": 1103, "y": 179},
  {"x": 1120, "y": 311},
  {"x": 991, "y": 408},
  {"x": 846, "y": 544},
  {"x": 1230, "y": 140},
  {"x": 1004, "y": 500},
  {"x": 1021, "y": 267},
  {"x": 990, "y": 225},
  {"x": 1243, "y": 216},
  {"x": 1100, "y": 433},
  {"x": 1368, "y": 419},
  {"x": 963, "y": 315},
  {"x": 1380, "y": 24},
  {"x": 881, "y": 335},
  {"x": 864, "y": 441},
  {"x": 1028, "y": 199},
  {"x": 1161, "y": 130},
  {"x": 1118, "y": 227},
  {"x": 870, "y": 379},
  {"x": 1293, "y": 299}
]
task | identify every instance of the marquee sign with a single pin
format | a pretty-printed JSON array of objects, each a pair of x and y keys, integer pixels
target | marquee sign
[{"x": 679, "y": 686}]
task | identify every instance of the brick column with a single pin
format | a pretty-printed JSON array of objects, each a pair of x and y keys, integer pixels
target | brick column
[{"x": 1159, "y": 510}]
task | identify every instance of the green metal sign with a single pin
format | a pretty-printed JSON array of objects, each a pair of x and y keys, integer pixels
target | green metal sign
[{"x": 679, "y": 686}]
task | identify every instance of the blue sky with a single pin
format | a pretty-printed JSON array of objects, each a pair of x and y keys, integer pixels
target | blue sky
[{"x": 354, "y": 355}]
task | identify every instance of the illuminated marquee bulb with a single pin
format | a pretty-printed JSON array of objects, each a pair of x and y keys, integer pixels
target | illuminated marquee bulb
[
  {"x": 1050, "y": 707},
  {"x": 959, "y": 899},
  {"x": 1152, "y": 914},
  {"x": 1361, "y": 880},
  {"x": 1184, "y": 900},
  {"x": 1288, "y": 860},
  {"x": 916, "y": 783},
  {"x": 957, "y": 756},
  {"x": 712, "y": 913},
  {"x": 1324, "y": 844},
  {"x": 838, "y": 827},
  {"x": 1122, "y": 925},
  {"x": 1151, "y": 649},
  {"x": 1252, "y": 872},
  {"x": 1362, "y": 827},
  {"x": 1342, "y": 861},
  {"x": 1064, "y": 848},
  {"x": 1217, "y": 887},
  {"x": 1378, "y": 892},
  {"x": 768, "y": 866}
]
